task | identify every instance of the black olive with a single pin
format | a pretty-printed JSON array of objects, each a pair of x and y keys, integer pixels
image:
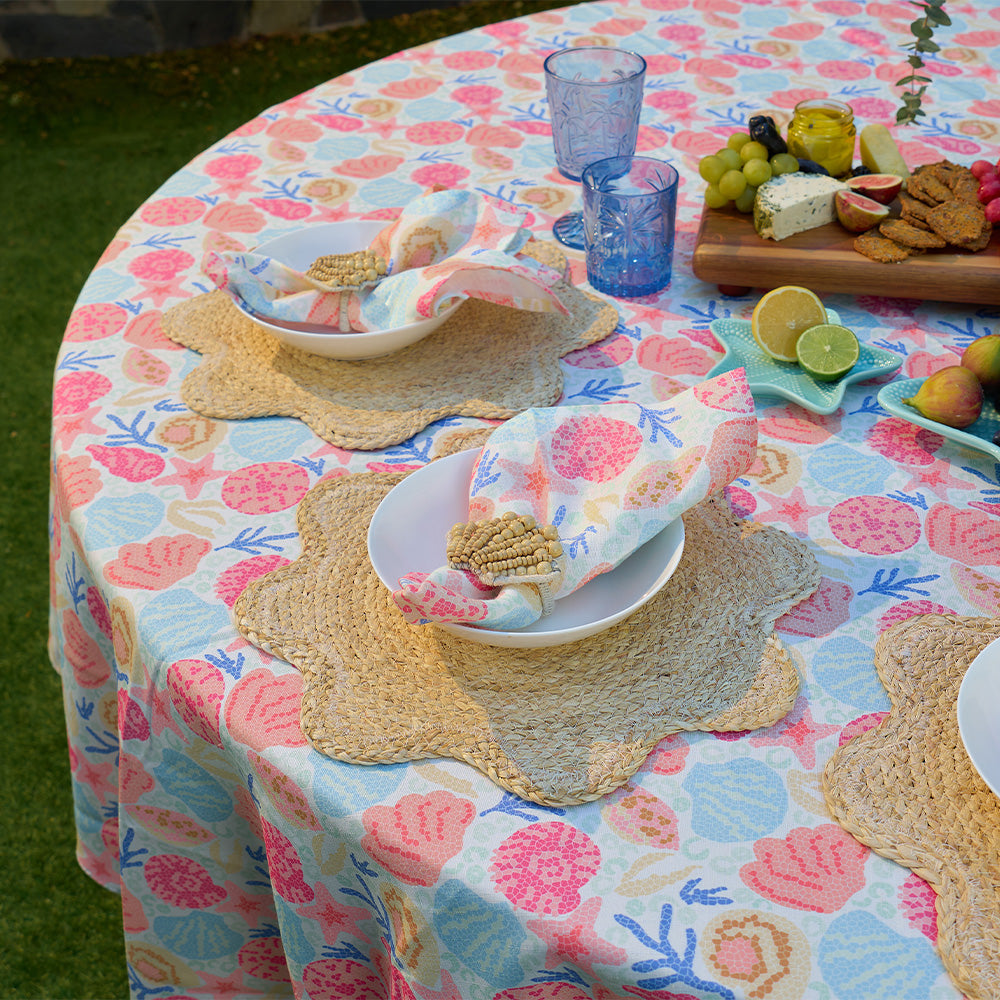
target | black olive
[
  {"x": 763, "y": 130},
  {"x": 812, "y": 167},
  {"x": 860, "y": 170}
]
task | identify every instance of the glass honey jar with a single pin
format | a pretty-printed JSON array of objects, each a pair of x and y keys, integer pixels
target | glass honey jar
[{"x": 823, "y": 130}]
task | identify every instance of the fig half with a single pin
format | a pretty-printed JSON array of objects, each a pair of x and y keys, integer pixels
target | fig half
[
  {"x": 857, "y": 213},
  {"x": 882, "y": 188}
]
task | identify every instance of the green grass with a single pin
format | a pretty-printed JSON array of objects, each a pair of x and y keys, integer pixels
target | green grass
[{"x": 82, "y": 144}]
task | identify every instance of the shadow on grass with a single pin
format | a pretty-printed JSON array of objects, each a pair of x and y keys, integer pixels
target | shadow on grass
[{"x": 82, "y": 144}]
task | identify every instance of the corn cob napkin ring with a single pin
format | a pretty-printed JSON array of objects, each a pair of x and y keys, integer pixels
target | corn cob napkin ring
[{"x": 512, "y": 548}]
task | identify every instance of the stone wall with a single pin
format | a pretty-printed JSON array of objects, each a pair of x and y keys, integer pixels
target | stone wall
[{"x": 40, "y": 29}]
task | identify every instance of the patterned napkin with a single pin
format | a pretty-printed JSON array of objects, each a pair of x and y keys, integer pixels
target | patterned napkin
[
  {"x": 444, "y": 247},
  {"x": 595, "y": 482}
]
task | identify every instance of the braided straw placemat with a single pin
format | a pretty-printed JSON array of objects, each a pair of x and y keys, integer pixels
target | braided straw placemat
[
  {"x": 557, "y": 725},
  {"x": 908, "y": 790},
  {"x": 485, "y": 361}
]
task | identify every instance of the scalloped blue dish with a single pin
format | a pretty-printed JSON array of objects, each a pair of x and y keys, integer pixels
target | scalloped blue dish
[
  {"x": 768, "y": 377},
  {"x": 979, "y": 436}
]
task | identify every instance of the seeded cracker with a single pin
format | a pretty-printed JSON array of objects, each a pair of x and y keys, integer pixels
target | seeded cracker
[
  {"x": 911, "y": 236},
  {"x": 927, "y": 188},
  {"x": 958, "y": 222},
  {"x": 882, "y": 249},
  {"x": 982, "y": 241}
]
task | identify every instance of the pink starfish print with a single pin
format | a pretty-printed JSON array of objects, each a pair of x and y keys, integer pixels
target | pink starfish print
[
  {"x": 230, "y": 187},
  {"x": 253, "y": 909},
  {"x": 987, "y": 71},
  {"x": 68, "y": 427},
  {"x": 575, "y": 938},
  {"x": 385, "y": 128},
  {"x": 792, "y": 511},
  {"x": 333, "y": 916},
  {"x": 937, "y": 479},
  {"x": 103, "y": 868},
  {"x": 160, "y": 291},
  {"x": 323, "y": 213},
  {"x": 798, "y": 732},
  {"x": 192, "y": 475},
  {"x": 161, "y": 714},
  {"x": 422, "y": 55},
  {"x": 97, "y": 777},
  {"x": 530, "y": 482},
  {"x": 232, "y": 985},
  {"x": 650, "y": 317}
]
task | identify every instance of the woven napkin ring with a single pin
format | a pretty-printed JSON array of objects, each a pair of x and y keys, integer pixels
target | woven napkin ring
[
  {"x": 337, "y": 272},
  {"x": 509, "y": 549}
]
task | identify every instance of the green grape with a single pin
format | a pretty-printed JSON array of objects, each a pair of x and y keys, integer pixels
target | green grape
[
  {"x": 732, "y": 184},
  {"x": 738, "y": 140},
  {"x": 714, "y": 198},
  {"x": 754, "y": 151},
  {"x": 711, "y": 168},
  {"x": 756, "y": 172},
  {"x": 730, "y": 158},
  {"x": 745, "y": 201},
  {"x": 783, "y": 163}
]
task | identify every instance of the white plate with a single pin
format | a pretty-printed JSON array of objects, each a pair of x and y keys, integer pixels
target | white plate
[
  {"x": 979, "y": 714},
  {"x": 298, "y": 250},
  {"x": 408, "y": 531}
]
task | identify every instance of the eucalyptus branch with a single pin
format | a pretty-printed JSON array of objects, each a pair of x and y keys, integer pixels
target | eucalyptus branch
[{"x": 916, "y": 82}]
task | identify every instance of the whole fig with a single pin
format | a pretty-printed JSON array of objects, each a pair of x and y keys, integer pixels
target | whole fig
[
  {"x": 951, "y": 396},
  {"x": 982, "y": 358}
]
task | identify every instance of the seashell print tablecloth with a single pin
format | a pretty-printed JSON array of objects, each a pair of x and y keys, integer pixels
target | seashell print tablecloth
[{"x": 251, "y": 865}]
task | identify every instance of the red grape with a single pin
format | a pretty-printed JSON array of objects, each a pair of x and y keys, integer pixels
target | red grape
[
  {"x": 982, "y": 168},
  {"x": 988, "y": 190},
  {"x": 993, "y": 211}
]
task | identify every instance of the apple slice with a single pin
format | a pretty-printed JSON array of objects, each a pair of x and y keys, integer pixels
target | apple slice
[
  {"x": 879, "y": 187},
  {"x": 858, "y": 213}
]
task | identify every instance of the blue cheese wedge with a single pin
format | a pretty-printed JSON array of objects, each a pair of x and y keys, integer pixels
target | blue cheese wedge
[{"x": 793, "y": 203}]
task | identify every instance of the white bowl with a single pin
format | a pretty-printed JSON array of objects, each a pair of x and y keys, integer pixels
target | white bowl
[
  {"x": 298, "y": 250},
  {"x": 407, "y": 534},
  {"x": 979, "y": 714}
]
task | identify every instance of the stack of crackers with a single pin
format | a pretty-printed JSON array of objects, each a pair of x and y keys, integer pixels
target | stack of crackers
[{"x": 940, "y": 210}]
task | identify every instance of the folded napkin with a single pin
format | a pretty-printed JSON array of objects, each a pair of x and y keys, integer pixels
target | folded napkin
[
  {"x": 562, "y": 494},
  {"x": 443, "y": 247}
]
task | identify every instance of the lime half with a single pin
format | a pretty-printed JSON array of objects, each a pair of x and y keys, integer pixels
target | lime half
[{"x": 827, "y": 351}]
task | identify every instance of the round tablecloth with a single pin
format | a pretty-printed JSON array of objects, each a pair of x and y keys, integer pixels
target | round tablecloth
[{"x": 251, "y": 864}]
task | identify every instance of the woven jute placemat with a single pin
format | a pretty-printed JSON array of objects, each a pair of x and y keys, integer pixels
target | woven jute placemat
[
  {"x": 907, "y": 790},
  {"x": 486, "y": 360},
  {"x": 557, "y": 725}
]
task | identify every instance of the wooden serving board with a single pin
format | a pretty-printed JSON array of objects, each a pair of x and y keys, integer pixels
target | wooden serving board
[{"x": 728, "y": 251}]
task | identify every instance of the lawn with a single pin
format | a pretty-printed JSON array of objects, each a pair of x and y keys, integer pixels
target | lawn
[{"x": 82, "y": 144}]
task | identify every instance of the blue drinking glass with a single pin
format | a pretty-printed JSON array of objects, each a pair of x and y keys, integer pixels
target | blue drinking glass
[
  {"x": 595, "y": 99},
  {"x": 629, "y": 211}
]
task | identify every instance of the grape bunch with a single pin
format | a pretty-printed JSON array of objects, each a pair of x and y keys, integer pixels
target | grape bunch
[{"x": 736, "y": 171}]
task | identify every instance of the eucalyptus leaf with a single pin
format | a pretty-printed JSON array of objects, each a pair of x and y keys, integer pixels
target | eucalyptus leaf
[{"x": 922, "y": 30}]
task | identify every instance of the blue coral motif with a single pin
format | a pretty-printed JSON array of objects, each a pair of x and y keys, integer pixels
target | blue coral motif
[{"x": 680, "y": 967}]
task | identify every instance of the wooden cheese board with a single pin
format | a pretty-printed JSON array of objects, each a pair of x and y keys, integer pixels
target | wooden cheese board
[{"x": 728, "y": 251}]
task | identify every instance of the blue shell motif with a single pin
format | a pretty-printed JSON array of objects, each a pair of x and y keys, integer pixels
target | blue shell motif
[
  {"x": 737, "y": 801},
  {"x": 197, "y": 936},
  {"x": 862, "y": 957},
  {"x": 486, "y": 938}
]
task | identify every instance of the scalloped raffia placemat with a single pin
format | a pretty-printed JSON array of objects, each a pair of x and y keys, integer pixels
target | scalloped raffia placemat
[
  {"x": 908, "y": 790},
  {"x": 485, "y": 361},
  {"x": 558, "y": 725}
]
